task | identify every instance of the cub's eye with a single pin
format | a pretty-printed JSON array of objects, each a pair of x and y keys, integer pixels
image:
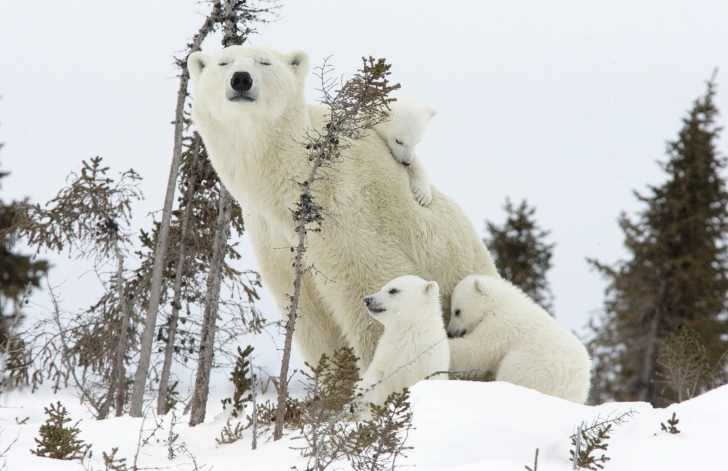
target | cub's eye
[
  {"x": 457, "y": 312},
  {"x": 222, "y": 63},
  {"x": 393, "y": 291},
  {"x": 399, "y": 142},
  {"x": 263, "y": 61}
]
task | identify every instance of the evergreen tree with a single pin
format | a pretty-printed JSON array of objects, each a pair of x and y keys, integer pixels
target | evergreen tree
[
  {"x": 677, "y": 275},
  {"x": 17, "y": 271},
  {"x": 58, "y": 441},
  {"x": 520, "y": 252}
]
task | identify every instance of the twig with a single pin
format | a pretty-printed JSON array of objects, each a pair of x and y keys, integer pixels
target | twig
[{"x": 65, "y": 354}]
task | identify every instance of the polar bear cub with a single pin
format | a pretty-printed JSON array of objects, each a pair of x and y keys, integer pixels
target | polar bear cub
[
  {"x": 414, "y": 343},
  {"x": 496, "y": 327},
  {"x": 402, "y": 131}
]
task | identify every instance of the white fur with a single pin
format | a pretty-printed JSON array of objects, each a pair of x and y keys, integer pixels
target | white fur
[
  {"x": 414, "y": 343},
  {"x": 373, "y": 230},
  {"x": 402, "y": 131},
  {"x": 508, "y": 334}
]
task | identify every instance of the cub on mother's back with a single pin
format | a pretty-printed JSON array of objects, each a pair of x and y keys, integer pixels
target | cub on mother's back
[{"x": 250, "y": 109}]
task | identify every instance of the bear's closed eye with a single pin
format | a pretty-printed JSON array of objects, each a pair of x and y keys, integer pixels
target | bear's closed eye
[{"x": 393, "y": 291}]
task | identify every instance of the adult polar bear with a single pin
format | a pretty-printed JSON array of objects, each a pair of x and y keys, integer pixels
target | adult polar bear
[{"x": 250, "y": 110}]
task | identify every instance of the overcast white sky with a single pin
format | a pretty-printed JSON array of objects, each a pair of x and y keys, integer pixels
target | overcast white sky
[{"x": 566, "y": 103}]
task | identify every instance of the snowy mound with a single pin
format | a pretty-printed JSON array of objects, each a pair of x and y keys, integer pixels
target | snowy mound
[{"x": 459, "y": 426}]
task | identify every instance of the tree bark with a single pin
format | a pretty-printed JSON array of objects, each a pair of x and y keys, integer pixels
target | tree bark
[
  {"x": 147, "y": 339},
  {"x": 123, "y": 335},
  {"x": 174, "y": 316},
  {"x": 212, "y": 297}
]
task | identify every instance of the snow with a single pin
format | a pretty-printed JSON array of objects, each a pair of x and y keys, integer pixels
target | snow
[{"x": 459, "y": 425}]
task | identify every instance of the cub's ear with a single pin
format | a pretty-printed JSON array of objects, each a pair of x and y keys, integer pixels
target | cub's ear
[
  {"x": 298, "y": 62},
  {"x": 432, "y": 288},
  {"x": 432, "y": 111},
  {"x": 195, "y": 63},
  {"x": 479, "y": 288}
]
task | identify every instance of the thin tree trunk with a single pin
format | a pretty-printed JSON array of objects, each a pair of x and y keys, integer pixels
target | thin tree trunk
[
  {"x": 147, "y": 339},
  {"x": 293, "y": 311},
  {"x": 214, "y": 280},
  {"x": 123, "y": 334},
  {"x": 648, "y": 367},
  {"x": 173, "y": 318},
  {"x": 118, "y": 371},
  {"x": 212, "y": 297}
]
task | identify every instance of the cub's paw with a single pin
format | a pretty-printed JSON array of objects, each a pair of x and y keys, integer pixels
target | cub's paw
[{"x": 422, "y": 193}]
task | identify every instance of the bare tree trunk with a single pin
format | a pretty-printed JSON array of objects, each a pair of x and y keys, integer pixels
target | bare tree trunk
[
  {"x": 222, "y": 230},
  {"x": 293, "y": 311},
  {"x": 123, "y": 333},
  {"x": 212, "y": 297},
  {"x": 140, "y": 377},
  {"x": 648, "y": 367},
  {"x": 176, "y": 305}
]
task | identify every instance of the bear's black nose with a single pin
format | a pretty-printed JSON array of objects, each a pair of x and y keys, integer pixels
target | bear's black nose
[
  {"x": 367, "y": 300},
  {"x": 241, "y": 81}
]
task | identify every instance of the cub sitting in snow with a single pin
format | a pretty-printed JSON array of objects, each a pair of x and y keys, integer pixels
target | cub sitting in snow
[
  {"x": 402, "y": 131},
  {"x": 496, "y": 327},
  {"x": 414, "y": 343}
]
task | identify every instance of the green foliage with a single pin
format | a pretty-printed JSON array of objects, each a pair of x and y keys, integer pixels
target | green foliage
[
  {"x": 371, "y": 445},
  {"x": 292, "y": 418},
  {"x": 376, "y": 443},
  {"x": 685, "y": 364},
  {"x": 17, "y": 364},
  {"x": 88, "y": 216},
  {"x": 58, "y": 441},
  {"x": 230, "y": 435},
  {"x": 677, "y": 272},
  {"x": 243, "y": 380},
  {"x": 520, "y": 252},
  {"x": 332, "y": 382},
  {"x": 589, "y": 444},
  {"x": 589, "y": 440},
  {"x": 111, "y": 463},
  {"x": 173, "y": 397},
  {"x": 671, "y": 426},
  {"x": 20, "y": 272}
]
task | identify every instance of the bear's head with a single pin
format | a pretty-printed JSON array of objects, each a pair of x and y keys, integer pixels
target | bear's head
[
  {"x": 404, "y": 127},
  {"x": 469, "y": 305},
  {"x": 238, "y": 82},
  {"x": 405, "y": 300}
]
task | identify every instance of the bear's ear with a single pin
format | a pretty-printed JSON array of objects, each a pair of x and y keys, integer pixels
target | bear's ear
[
  {"x": 298, "y": 62},
  {"x": 479, "y": 288},
  {"x": 432, "y": 288},
  {"x": 432, "y": 111},
  {"x": 195, "y": 63}
]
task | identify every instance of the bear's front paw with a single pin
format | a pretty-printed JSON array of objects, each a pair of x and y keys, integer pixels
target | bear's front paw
[{"x": 423, "y": 194}]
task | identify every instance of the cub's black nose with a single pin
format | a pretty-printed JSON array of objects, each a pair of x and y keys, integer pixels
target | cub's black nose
[
  {"x": 241, "y": 81},
  {"x": 367, "y": 300}
]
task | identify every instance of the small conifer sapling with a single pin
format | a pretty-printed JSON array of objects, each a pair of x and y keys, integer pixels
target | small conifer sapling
[{"x": 58, "y": 441}]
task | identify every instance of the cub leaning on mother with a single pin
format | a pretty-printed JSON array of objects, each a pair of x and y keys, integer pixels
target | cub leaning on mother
[{"x": 250, "y": 110}]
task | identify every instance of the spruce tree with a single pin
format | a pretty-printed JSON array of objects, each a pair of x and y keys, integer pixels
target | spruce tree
[
  {"x": 58, "y": 441},
  {"x": 521, "y": 253},
  {"x": 677, "y": 274},
  {"x": 18, "y": 272}
]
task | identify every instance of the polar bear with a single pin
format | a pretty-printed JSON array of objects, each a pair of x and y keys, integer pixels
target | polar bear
[
  {"x": 250, "y": 110},
  {"x": 414, "y": 344},
  {"x": 402, "y": 130},
  {"x": 495, "y": 327}
]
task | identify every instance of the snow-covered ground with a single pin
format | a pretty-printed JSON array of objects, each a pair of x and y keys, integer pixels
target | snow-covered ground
[{"x": 459, "y": 426}]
